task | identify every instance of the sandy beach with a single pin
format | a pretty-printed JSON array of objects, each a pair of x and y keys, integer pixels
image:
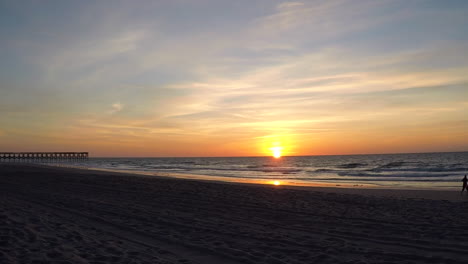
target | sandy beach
[{"x": 65, "y": 215}]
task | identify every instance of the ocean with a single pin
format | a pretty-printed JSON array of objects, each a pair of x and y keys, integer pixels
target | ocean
[{"x": 402, "y": 171}]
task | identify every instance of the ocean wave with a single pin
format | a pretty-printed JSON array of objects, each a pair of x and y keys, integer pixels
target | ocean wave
[
  {"x": 281, "y": 170},
  {"x": 233, "y": 169},
  {"x": 269, "y": 166},
  {"x": 383, "y": 180},
  {"x": 394, "y": 164},
  {"x": 423, "y": 169},
  {"x": 351, "y": 165},
  {"x": 402, "y": 175},
  {"x": 321, "y": 170},
  {"x": 262, "y": 166}
]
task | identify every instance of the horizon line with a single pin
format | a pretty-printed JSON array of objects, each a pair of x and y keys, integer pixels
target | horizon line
[{"x": 269, "y": 156}]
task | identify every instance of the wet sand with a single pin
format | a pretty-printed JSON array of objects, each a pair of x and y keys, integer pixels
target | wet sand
[{"x": 62, "y": 215}]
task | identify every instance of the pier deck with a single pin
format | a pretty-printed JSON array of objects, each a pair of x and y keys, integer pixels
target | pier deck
[{"x": 42, "y": 156}]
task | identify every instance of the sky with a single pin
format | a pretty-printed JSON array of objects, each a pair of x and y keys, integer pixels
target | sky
[{"x": 234, "y": 78}]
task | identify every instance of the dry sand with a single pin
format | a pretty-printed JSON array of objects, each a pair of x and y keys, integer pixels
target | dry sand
[{"x": 59, "y": 215}]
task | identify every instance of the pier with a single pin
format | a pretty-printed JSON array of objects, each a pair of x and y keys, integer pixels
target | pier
[{"x": 42, "y": 156}]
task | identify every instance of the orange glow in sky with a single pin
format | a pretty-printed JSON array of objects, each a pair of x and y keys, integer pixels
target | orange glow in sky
[{"x": 283, "y": 79}]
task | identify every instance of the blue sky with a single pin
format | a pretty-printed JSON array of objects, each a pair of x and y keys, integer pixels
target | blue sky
[{"x": 221, "y": 78}]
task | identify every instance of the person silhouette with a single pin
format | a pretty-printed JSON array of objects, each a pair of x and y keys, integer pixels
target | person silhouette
[{"x": 464, "y": 180}]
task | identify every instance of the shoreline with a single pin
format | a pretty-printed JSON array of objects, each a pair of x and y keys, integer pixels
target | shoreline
[
  {"x": 402, "y": 172},
  {"x": 406, "y": 173},
  {"x": 401, "y": 193}
]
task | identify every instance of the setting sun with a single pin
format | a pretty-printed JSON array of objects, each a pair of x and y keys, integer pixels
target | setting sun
[
  {"x": 276, "y": 183},
  {"x": 276, "y": 152}
]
